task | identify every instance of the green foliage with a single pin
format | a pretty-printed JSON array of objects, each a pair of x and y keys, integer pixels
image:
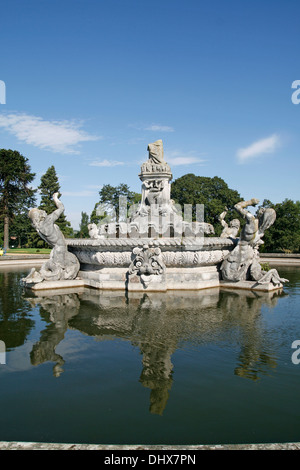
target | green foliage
[
  {"x": 48, "y": 186},
  {"x": 213, "y": 193},
  {"x": 284, "y": 235},
  {"x": 265, "y": 266},
  {"x": 16, "y": 196},
  {"x": 83, "y": 226},
  {"x": 15, "y": 312},
  {"x": 21, "y": 228},
  {"x": 110, "y": 197},
  {"x": 24, "y": 250}
]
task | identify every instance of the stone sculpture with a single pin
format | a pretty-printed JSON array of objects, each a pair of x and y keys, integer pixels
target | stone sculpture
[
  {"x": 155, "y": 176},
  {"x": 93, "y": 231},
  {"x": 157, "y": 246},
  {"x": 156, "y": 152},
  {"x": 231, "y": 230},
  {"x": 242, "y": 263},
  {"x": 62, "y": 264},
  {"x": 154, "y": 190},
  {"x": 157, "y": 214},
  {"x": 147, "y": 262}
]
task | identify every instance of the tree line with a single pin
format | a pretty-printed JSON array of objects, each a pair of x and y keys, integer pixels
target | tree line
[{"x": 17, "y": 197}]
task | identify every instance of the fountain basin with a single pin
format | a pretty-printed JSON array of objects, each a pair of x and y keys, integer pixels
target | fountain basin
[{"x": 163, "y": 264}]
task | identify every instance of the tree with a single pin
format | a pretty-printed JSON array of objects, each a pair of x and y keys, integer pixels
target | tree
[
  {"x": 21, "y": 227},
  {"x": 110, "y": 197},
  {"x": 213, "y": 193},
  {"x": 15, "y": 192},
  {"x": 50, "y": 185},
  {"x": 284, "y": 234},
  {"x": 16, "y": 320},
  {"x": 83, "y": 226}
]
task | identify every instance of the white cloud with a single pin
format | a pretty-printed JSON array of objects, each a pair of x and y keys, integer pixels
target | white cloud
[
  {"x": 159, "y": 128},
  {"x": 152, "y": 127},
  {"x": 56, "y": 136},
  {"x": 108, "y": 163},
  {"x": 176, "y": 158},
  {"x": 184, "y": 161},
  {"x": 260, "y": 147}
]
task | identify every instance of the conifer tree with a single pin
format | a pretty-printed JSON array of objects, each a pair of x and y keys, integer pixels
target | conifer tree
[
  {"x": 50, "y": 185},
  {"x": 83, "y": 226},
  {"x": 15, "y": 177}
]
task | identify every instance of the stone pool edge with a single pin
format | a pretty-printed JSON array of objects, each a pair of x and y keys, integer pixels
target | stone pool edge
[{"x": 57, "y": 446}]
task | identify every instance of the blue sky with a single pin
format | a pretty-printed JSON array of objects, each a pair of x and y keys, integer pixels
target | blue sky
[{"x": 89, "y": 83}]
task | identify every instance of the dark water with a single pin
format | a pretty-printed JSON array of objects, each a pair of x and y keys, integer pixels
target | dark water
[{"x": 178, "y": 368}]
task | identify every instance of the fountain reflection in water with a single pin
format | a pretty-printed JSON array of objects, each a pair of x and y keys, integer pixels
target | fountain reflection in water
[{"x": 158, "y": 325}]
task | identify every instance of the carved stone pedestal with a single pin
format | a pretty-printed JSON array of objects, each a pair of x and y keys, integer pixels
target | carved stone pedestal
[
  {"x": 150, "y": 265},
  {"x": 251, "y": 285}
]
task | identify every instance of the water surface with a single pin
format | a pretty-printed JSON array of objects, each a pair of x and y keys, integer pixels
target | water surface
[{"x": 209, "y": 367}]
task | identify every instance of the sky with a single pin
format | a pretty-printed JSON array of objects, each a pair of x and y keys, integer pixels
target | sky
[{"x": 86, "y": 85}]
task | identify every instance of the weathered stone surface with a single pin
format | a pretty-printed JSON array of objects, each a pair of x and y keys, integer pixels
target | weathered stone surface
[
  {"x": 251, "y": 285},
  {"x": 60, "y": 284},
  {"x": 140, "y": 447},
  {"x": 62, "y": 264},
  {"x": 142, "y": 264},
  {"x": 230, "y": 230},
  {"x": 153, "y": 246},
  {"x": 242, "y": 263},
  {"x": 181, "y": 278}
]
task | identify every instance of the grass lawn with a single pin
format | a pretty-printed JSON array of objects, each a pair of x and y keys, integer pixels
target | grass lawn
[{"x": 41, "y": 251}]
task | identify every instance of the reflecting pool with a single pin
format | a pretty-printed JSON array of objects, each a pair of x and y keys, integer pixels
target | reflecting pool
[{"x": 206, "y": 367}]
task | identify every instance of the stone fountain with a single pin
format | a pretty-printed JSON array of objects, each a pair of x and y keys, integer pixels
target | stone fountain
[{"x": 157, "y": 247}]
